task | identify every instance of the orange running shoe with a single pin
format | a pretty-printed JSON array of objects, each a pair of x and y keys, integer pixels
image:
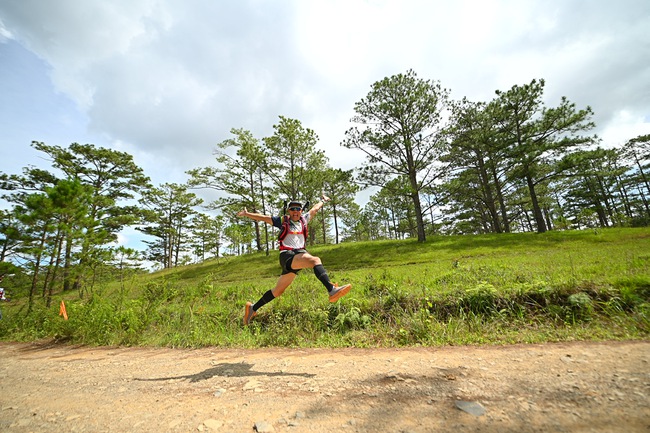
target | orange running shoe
[
  {"x": 338, "y": 292},
  {"x": 249, "y": 313}
]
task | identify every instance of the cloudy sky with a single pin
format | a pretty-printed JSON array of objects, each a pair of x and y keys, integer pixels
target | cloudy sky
[{"x": 166, "y": 80}]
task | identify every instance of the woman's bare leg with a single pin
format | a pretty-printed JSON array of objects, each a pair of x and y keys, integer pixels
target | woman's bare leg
[
  {"x": 305, "y": 260},
  {"x": 283, "y": 282}
]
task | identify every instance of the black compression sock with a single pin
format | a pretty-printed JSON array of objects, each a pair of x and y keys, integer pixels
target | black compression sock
[
  {"x": 321, "y": 274},
  {"x": 265, "y": 299}
]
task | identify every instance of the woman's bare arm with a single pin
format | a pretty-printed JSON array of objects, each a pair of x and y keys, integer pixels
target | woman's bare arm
[
  {"x": 315, "y": 208},
  {"x": 255, "y": 216}
]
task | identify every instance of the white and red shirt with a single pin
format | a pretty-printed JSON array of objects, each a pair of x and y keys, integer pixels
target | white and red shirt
[{"x": 295, "y": 238}]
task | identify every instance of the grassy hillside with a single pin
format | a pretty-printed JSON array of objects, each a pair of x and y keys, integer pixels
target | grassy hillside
[{"x": 504, "y": 288}]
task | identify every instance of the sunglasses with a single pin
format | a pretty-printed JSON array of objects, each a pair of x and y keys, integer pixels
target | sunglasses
[{"x": 295, "y": 208}]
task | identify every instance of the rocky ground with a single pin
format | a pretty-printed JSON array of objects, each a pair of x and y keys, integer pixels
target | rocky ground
[{"x": 568, "y": 387}]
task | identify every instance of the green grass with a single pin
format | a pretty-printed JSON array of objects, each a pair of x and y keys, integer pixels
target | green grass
[{"x": 450, "y": 290}]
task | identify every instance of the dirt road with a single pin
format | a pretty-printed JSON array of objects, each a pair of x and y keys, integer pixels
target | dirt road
[{"x": 569, "y": 387}]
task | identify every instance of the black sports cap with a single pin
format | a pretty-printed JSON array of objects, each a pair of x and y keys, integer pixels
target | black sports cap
[{"x": 295, "y": 203}]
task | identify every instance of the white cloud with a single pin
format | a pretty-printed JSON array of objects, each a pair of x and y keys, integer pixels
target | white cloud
[
  {"x": 4, "y": 33},
  {"x": 167, "y": 80},
  {"x": 623, "y": 126}
]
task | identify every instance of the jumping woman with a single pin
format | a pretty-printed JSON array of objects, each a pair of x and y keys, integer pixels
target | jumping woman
[{"x": 293, "y": 255}]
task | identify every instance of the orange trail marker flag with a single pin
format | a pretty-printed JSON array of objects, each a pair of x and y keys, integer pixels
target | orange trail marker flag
[{"x": 62, "y": 311}]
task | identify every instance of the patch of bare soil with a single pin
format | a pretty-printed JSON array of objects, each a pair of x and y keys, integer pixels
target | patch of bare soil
[{"x": 568, "y": 387}]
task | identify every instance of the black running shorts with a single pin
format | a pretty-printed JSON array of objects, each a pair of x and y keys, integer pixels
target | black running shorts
[{"x": 286, "y": 257}]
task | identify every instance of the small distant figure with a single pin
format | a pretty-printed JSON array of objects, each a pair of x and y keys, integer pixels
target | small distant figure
[
  {"x": 3, "y": 296},
  {"x": 293, "y": 255}
]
